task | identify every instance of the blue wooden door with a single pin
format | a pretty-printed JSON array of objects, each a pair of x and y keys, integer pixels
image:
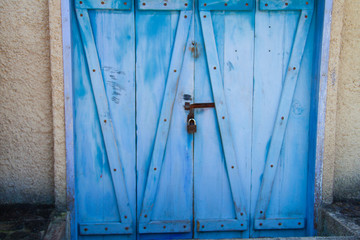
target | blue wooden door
[{"x": 244, "y": 172}]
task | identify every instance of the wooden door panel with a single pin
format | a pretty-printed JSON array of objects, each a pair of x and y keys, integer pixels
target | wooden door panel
[
  {"x": 282, "y": 143},
  {"x": 244, "y": 173},
  {"x": 165, "y": 167},
  {"x": 222, "y": 177},
  {"x": 106, "y": 181}
]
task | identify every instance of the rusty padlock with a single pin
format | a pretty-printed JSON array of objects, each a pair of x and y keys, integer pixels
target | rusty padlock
[{"x": 191, "y": 125}]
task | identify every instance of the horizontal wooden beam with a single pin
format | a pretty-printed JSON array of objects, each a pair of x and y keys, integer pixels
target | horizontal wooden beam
[
  {"x": 286, "y": 4},
  {"x": 210, "y": 225},
  {"x": 104, "y": 4},
  {"x": 279, "y": 223},
  {"x": 165, "y": 5},
  {"x": 230, "y": 5},
  {"x": 176, "y": 226},
  {"x": 110, "y": 228}
]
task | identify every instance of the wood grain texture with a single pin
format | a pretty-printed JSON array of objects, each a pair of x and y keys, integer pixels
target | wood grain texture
[
  {"x": 104, "y": 4},
  {"x": 207, "y": 184},
  {"x": 160, "y": 63}
]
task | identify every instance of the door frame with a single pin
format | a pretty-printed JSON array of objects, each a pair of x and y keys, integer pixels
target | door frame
[{"x": 318, "y": 112}]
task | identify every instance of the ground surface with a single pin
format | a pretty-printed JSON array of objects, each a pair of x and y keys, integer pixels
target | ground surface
[
  {"x": 350, "y": 210},
  {"x": 24, "y": 221},
  {"x": 340, "y": 220}
]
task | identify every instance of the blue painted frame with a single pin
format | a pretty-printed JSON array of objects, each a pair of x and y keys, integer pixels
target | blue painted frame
[{"x": 317, "y": 113}]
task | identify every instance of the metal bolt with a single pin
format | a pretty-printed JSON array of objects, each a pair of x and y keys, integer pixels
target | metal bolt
[
  {"x": 241, "y": 214},
  {"x": 242, "y": 224},
  {"x": 286, "y": 4},
  {"x": 232, "y": 166},
  {"x": 204, "y": 16},
  {"x": 184, "y": 17},
  {"x": 299, "y": 223},
  {"x": 102, "y": 2},
  {"x": 126, "y": 228},
  {"x": 143, "y": 4},
  {"x": 125, "y": 217},
  {"x": 81, "y": 15},
  {"x": 279, "y": 224},
  {"x": 214, "y": 68},
  {"x": 260, "y": 224},
  {"x": 223, "y": 117},
  {"x": 307, "y": 3},
  {"x": 114, "y": 169},
  {"x": 294, "y": 68},
  {"x": 205, "y": 4},
  {"x": 94, "y": 70},
  {"x": 305, "y": 16},
  {"x": 164, "y": 227},
  {"x": 154, "y": 169},
  {"x": 202, "y": 226},
  {"x": 282, "y": 118},
  {"x": 145, "y": 216},
  {"x": 85, "y": 229},
  {"x": 266, "y": 5},
  {"x": 246, "y": 4},
  {"x": 80, "y": 2},
  {"x": 106, "y": 229},
  {"x": 105, "y": 121},
  {"x": 222, "y": 225},
  {"x": 144, "y": 227},
  {"x": 165, "y": 120},
  {"x": 165, "y": 4},
  {"x": 184, "y": 226},
  {"x": 125, "y": 3},
  {"x": 271, "y": 165},
  {"x": 261, "y": 212},
  {"x": 225, "y": 4}
]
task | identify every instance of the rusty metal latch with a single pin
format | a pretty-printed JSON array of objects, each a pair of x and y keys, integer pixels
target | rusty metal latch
[{"x": 191, "y": 122}]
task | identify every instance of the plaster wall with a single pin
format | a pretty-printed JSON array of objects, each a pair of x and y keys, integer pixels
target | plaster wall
[
  {"x": 26, "y": 127},
  {"x": 347, "y": 135}
]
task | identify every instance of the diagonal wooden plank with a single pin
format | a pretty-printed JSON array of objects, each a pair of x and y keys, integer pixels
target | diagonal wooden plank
[
  {"x": 107, "y": 129},
  {"x": 163, "y": 126},
  {"x": 282, "y": 116},
  {"x": 222, "y": 114}
]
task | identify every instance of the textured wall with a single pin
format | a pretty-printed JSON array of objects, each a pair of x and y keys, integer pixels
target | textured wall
[
  {"x": 331, "y": 107},
  {"x": 57, "y": 103},
  {"x": 26, "y": 140},
  {"x": 347, "y": 153}
]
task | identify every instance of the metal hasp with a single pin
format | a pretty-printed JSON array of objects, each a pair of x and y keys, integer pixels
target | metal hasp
[{"x": 191, "y": 123}]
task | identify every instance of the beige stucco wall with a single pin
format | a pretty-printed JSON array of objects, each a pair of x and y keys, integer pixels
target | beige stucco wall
[
  {"x": 347, "y": 136},
  {"x": 32, "y": 139},
  {"x": 26, "y": 128},
  {"x": 57, "y": 83},
  {"x": 342, "y": 133}
]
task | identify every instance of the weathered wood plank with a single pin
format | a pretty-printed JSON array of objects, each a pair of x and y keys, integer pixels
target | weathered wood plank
[
  {"x": 222, "y": 113},
  {"x": 169, "y": 226},
  {"x": 226, "y": 5},
  {"x": 104, "y": 4},
  {"x": 286, "y": 4},
  {"x": 104, "y": 116},
  {"x": 221, "y": 225},
  {"x": 165, "y": 116},
  {"x": 279, "y": 223},
  {"x": 282, "y": 116},
  {"x": 165, "y": 5},
  {"x": 104, "y": 228}
]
